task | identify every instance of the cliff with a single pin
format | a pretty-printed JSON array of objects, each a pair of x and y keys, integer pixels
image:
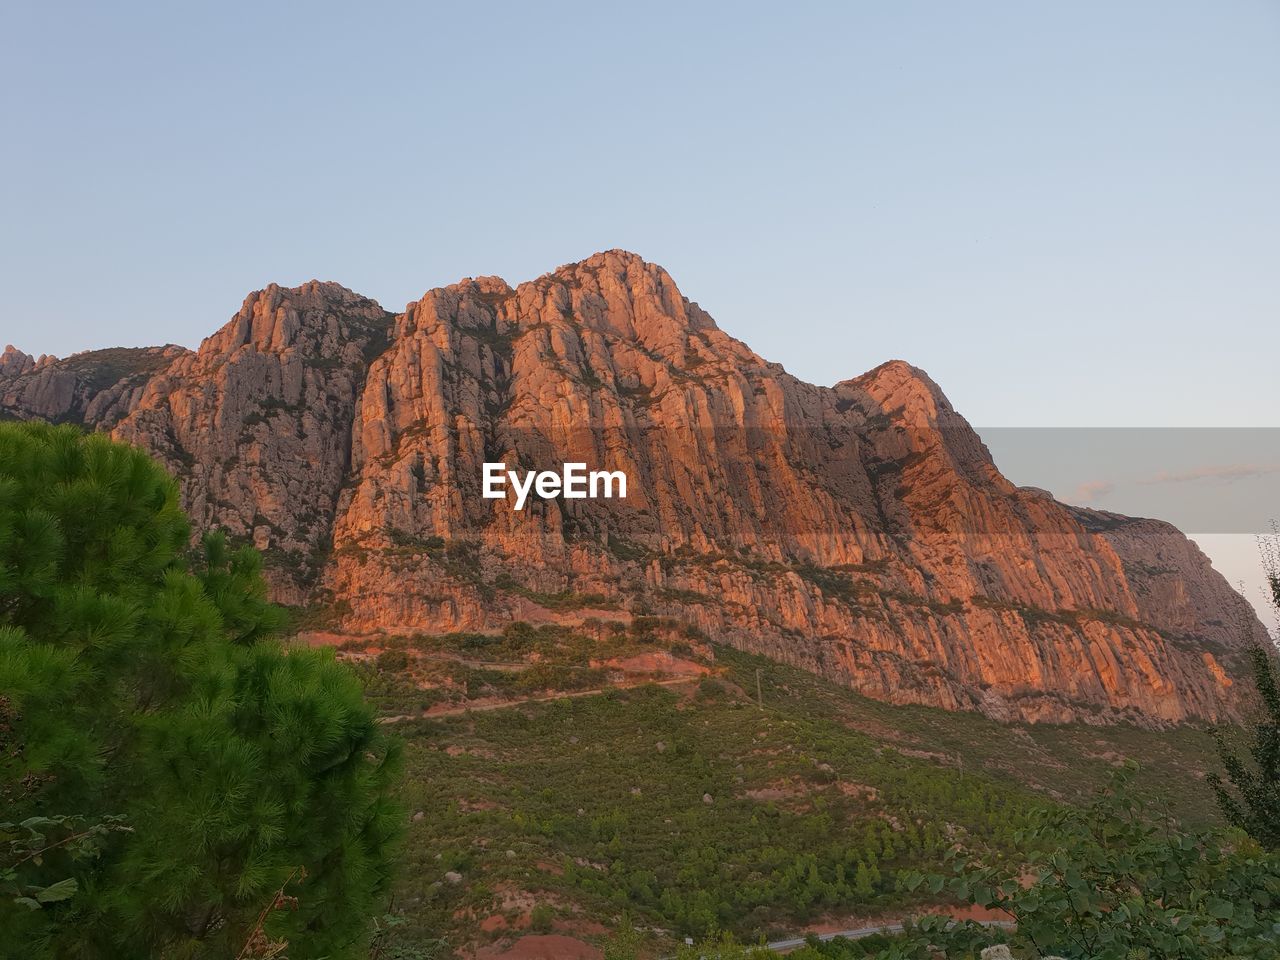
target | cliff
[{"x": 860, "y": 531}]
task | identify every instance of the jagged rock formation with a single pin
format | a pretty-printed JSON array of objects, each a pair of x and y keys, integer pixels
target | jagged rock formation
[
  {"x": 859, "y": 531},
  {"x": 258, "y": 421},
  {"x": 1172, "y": 581},
  {"x": 96, "y": 387}
]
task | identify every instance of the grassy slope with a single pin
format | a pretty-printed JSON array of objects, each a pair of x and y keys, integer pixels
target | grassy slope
[{"x": 569, "y": 813}]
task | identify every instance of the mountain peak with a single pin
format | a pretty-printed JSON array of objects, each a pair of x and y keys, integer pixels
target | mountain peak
[
  {"x": 14, "y": 363},
  {"x": 619, "y": 293},
  {"x": 884, "y": 551},
  {"x": 615, "y": 293},
  {"x": 622, "y": 266},
  {"x": 615, "y": 259},
  {"x": 277, "y": 318},
  {"x": 896, "y": 385}
]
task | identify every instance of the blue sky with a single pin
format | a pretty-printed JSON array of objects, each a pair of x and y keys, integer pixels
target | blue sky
[{"x": 1068, "y": 213}]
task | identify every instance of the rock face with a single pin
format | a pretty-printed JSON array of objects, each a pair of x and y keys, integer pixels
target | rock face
[
  {"x": 94, "y": 388},
  {"x": 258, "y": 421},
  {"x": 859, "y": 531}
]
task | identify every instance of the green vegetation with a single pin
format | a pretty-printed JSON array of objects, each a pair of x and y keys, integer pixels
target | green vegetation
[
  {"x": 1116, "y": 879},
  {"x": 100, "y": 369},
  {"x": 561, "y": 600},
  {"x": 173, "y": 784},
  {"x": 699, "y": 815},
  {"x": 431, "y": 544},
  {"x": 523, "y": 644},
  {"x": 410, "y": 675},
  {"x": 695, "y": 812},
  {"x": 1252, "y": 802},
  {"x": 835, "y": 583},
  {"x": 268, "y": 407}
]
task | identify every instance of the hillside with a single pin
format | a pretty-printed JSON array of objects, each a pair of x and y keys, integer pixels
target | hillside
[
  {"x": 860, "y": 532},
  {"x": 729, "y": 792}
]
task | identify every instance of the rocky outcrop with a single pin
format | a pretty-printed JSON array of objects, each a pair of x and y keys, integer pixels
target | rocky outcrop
[
  {"x": 14, "y": 363},
  {"x": 258, "y": 421},
  {"x": 95, "y": 388},
  {"x": 1173, "y": 583},
  {"x": 860, "y": 531}
]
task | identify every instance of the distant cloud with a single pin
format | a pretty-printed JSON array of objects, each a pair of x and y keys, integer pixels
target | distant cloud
[
  {"x": 1239, "y": 471},
  {"x": 1091, "y": 491}
]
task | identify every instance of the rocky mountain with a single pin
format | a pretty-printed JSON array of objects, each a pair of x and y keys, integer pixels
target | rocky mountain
[{"x": 860, "y": 531}]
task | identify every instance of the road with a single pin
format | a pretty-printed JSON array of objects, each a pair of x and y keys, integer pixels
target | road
[{"x": 859, "y": 933}]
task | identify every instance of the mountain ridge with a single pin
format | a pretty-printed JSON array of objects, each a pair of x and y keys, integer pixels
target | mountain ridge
[{"x": 860, "y": 531}]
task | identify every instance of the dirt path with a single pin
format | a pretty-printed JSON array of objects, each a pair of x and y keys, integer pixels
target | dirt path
[{"x": 550, "y": 698}]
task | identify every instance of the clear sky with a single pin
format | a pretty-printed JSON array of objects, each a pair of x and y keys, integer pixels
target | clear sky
[{"x": 1068, "y": 213}]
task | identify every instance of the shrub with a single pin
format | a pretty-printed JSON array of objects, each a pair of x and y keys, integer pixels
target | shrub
[
  {"x": 393, "y": 661},
  {"x": 541, "y": 918},
  {"x": 1112, "y": 881}
]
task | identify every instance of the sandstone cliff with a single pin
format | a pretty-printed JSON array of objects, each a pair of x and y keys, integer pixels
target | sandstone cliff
[
  {"x": 859, "y": 531},
  {"x": 95, "y": 388}
]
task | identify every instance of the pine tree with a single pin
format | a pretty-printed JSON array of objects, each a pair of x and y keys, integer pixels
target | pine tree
[
  {"x": 625, "y": 942},
  {"x": 141, "y": 689},
  {"x": 1252, "y": 803},
  {"x": 862, "y": 885}
]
